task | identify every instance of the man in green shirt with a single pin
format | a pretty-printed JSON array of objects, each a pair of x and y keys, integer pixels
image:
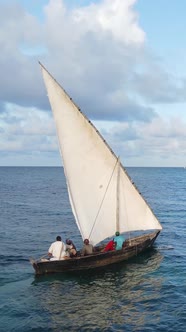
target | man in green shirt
[{"x": 119, "y": 239}]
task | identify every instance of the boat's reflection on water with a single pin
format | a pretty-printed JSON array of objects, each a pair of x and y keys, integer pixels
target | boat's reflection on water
[{"x": 121, "y": 295}]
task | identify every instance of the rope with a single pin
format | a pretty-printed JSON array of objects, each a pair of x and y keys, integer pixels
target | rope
[{"x": 103, "y": 199}]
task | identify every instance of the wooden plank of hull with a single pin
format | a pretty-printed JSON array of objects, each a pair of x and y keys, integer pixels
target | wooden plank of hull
[{"x": 99, "y": 259}]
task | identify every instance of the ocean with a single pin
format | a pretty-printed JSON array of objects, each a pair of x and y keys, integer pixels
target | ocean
[{"x": 146, "y": 294}]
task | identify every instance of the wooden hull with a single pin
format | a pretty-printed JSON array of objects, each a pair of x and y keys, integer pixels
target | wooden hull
[{"x": 99, "y": 259}]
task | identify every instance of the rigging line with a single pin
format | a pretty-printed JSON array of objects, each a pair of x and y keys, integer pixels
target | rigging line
[{"x": 103, "y": 198}]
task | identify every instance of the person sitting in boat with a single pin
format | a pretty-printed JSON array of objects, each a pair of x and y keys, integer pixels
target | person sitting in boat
[
  {"x": 119, "y": 240},
  {"x": 87, "y": 249},
  {"x": 110, "y": 246},
  {"x": 71, "y": 248},
  {"x": 57, "y": 250}
]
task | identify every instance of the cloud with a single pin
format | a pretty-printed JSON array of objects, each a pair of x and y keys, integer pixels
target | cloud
[
  {"x": 115, "y": 18},
  {"x": 156, "y": 85},
  {"x": 27, "y": 129},
  {"x": 95, "y": 46},
  {"x": 149, "y": 143},
  {"x": 102, "y": 51},
  {"x": 99, "y": 53},
  {"x": 20, "y": 81}
]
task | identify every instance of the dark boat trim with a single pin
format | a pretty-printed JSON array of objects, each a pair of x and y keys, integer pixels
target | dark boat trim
[{"x": 132, "y": 248}]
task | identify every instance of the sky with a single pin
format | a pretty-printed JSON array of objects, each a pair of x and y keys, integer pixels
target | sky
[{"x": 122, "y": 61}]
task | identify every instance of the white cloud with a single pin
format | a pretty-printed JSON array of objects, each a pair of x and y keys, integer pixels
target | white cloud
[
  {"x": 111, "y": 17},
  {"x": 100, "y": 54},
  {"x": 160, "y": 142},
  {"x": 27, "y": 129}
]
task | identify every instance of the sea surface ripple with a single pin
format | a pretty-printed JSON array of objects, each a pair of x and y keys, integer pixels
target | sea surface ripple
[{"x": 147, "y": 294}]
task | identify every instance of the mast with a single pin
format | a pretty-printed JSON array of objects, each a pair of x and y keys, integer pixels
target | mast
[{"x": 118, "y": 196}]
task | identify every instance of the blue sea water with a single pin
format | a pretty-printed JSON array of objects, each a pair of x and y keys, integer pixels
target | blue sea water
[{"x": 147, "y": 294}]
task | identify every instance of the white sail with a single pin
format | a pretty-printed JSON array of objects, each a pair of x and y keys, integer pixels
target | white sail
[{"x": 91, "y": 172}]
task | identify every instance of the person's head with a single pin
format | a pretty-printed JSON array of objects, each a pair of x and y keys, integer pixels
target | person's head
[
  {"x": 86, "y": 241},
  {"x": 58, "y": 238},
  {"x": 117, "y": 233},
  {"x": 68, "y": 241}
]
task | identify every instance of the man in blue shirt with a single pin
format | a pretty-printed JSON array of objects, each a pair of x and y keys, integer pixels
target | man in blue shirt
[{"x": 118, "y": 239}]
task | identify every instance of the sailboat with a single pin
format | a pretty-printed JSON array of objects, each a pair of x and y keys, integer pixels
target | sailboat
[{"x": 102, "y": 195}]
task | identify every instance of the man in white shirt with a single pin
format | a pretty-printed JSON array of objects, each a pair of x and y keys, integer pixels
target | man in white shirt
[{"x": 57, "y": 250}]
